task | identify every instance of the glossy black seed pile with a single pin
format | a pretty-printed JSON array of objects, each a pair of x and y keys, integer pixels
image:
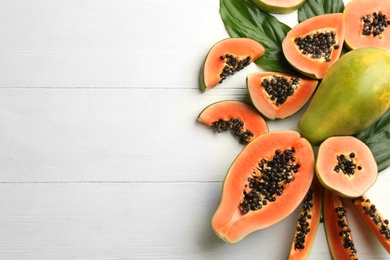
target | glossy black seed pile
[
  {"x": 236, "y": 126},
  {"x": 268, "y": 180},
  {"x": 370, "y": 210},
  {"x": 346, "y": 164},
  {"x": 345, "y": 231},
  {"x": 279, "y": 88},
  {"x": 232, "y": 65},
  {"x": 318, "y": 45},
  {"x": 303, "y": 225},
  {"x": 374, "y": 24}
]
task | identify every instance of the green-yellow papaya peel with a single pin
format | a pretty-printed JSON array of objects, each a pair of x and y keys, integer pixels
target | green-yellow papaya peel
[{"x": 353, "y": 95}]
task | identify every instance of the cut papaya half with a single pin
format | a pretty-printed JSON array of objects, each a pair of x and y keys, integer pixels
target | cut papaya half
[
  {"x": 367, "y": 24},
  {"x": 337, "y": 230},
  {"x": 308, "y": 222},
  {"x": 227, "y": 57},
  {"x": 346, "y": 165},
  {"x": 279, "y": 6},
  {"x": 235, "y": 116},
  {"x": 374, "y": 219},
  {"x": 279, "y": 95},
  {"x": 314, "y": 45},
  {"x": 265, "y": 184}
]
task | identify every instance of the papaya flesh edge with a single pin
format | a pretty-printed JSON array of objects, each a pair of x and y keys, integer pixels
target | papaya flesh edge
[
  {"x": 228, "y": 222},
  {"x": 353, "y": 95},
  {"x": 267, "y": 107},
  {"x": 278, "y": 6},
  {"x": 360, "y": 170},
  {"x": 213, "y": 65},
  {"x": 353, "y": 13}
]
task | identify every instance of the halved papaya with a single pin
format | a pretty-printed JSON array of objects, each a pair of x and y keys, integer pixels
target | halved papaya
[
  {"x": 265, "y": 183},
  {"x": 279, "y": 95},
  {"x": 367, "y": 24},
  {"x": 346, "y": 165},
  {"x": 240, "y": 118},
  {"x": 337, "y": 230},
  {"x": 279, "y": 6},
  {"x": 308, "y": 222},
  {"x": 374, "y": 219},
  {"x": 314, "y": 45},
  {"x": 227, "y": 57}
]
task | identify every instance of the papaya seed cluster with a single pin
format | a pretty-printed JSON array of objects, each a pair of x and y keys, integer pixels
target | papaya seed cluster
[
  {"x": 374, "y": 24},
  {"x": 236, "y": 126},
  {"x": 232, "y": 65},
  {"x": 345, "y": 231},
  {"x": 279, "y": 88},
  {"x": 346, "y": 164},
  {"x": 303, "y": 224}
]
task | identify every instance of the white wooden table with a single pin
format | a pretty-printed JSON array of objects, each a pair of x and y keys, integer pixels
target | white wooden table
[{"x": 101, "y": 155}]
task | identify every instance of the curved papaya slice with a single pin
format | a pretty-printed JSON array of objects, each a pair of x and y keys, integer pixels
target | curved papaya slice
[
  {"x": 265, "y": 183},
  {"x": 279, "y": 95},
  {"x": 337, "y": 230},
  {"x": 346, "y": 165},
  {"x": 314, "y": 45},
  {"x": 240, "y": 118},
  {"x": 374, "y": 219},
  {"x": 227, "y": 57},
  {"x": 279, "y": 6},
  {"x": 367, "y": 24}
]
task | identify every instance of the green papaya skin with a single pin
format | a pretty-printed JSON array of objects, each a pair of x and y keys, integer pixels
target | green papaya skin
[{"x": 353, "y": 95}]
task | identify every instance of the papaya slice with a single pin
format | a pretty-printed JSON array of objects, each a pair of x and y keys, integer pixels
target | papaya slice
[
  {"x": 265, "y": 183},
  {"x": 314, "y": 45},
  {"x": 227, "y": 57},
  {"x": 279, "y": 95},
  {"x": 367, "y": 24},
  {"x": 308, "y": 222},
  {"x": 374, "y": 219},
  {"x": 346, "y": 165},
  {"x": 238, "y": 117},
  {"x": 337, "y": 230},
  {"x": 279, "y": 6}
]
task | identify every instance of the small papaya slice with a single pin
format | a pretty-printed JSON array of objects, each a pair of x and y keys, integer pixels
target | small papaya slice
[
  {"x": 346, "y": 165},
  {"x": 374, "y": 219},
  {"x": 265, "y": 183},
  {"x": 238, "y": 117},
  {"x": 367, "y": 24},
  {"x": 227, "y": 57},
  {"x": 279, "y": 95},
  {"x": 337, "y": 230},
  {"x": 279, "y": 6},
  {"x": 314, "y": 45},
  {"x": 308, "y": 222}
]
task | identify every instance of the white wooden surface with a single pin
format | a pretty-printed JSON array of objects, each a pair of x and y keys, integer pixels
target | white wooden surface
[{"x": 101, "y": 155}]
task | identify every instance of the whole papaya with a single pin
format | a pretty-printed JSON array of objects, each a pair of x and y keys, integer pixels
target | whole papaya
[{"x": 353, "y": 95}]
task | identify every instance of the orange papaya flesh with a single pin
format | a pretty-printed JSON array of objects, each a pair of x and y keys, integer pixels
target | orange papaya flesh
[
  {"x": 346, "y": 165},
  {"x": 374, "y": 219},
  {"x": 279, "y": 6},
  {"x": 227, "y": 57},
  {"x": 240, "y": 118},
  {"x": 254, "y": 197},
  {"x": 314, "y": 45},
  {"x": 337, "y": 230},
  {"x": 308, "y": 222},
  {"x": 279, "y": 95},
  {"x": 367, "y": 24}
]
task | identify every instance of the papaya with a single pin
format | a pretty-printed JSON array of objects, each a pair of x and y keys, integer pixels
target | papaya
[
  {"x": 353, "y": 95},
  {"x": 366, "y": 24},
  {"x": 314, "y": 45},
  {"x": 279, "y": 95},
  {"x": 374, "y": 220},
  {"x": 265, "y": 184},
  {"x": 346, "y": 166},
  {"x": 225, "y": 58},
  {"x": 337, "y": 230},
  {"x": 308, "y": 222},
  {"x": 235, "y": 116},
  {"x": 278, "y": 6}
]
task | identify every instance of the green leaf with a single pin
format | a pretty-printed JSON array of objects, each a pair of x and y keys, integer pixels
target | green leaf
[
  {"x": 313, "y": 8},
  {"x": 377, "y": 137},
  {"x": 243, "y": 19}
]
